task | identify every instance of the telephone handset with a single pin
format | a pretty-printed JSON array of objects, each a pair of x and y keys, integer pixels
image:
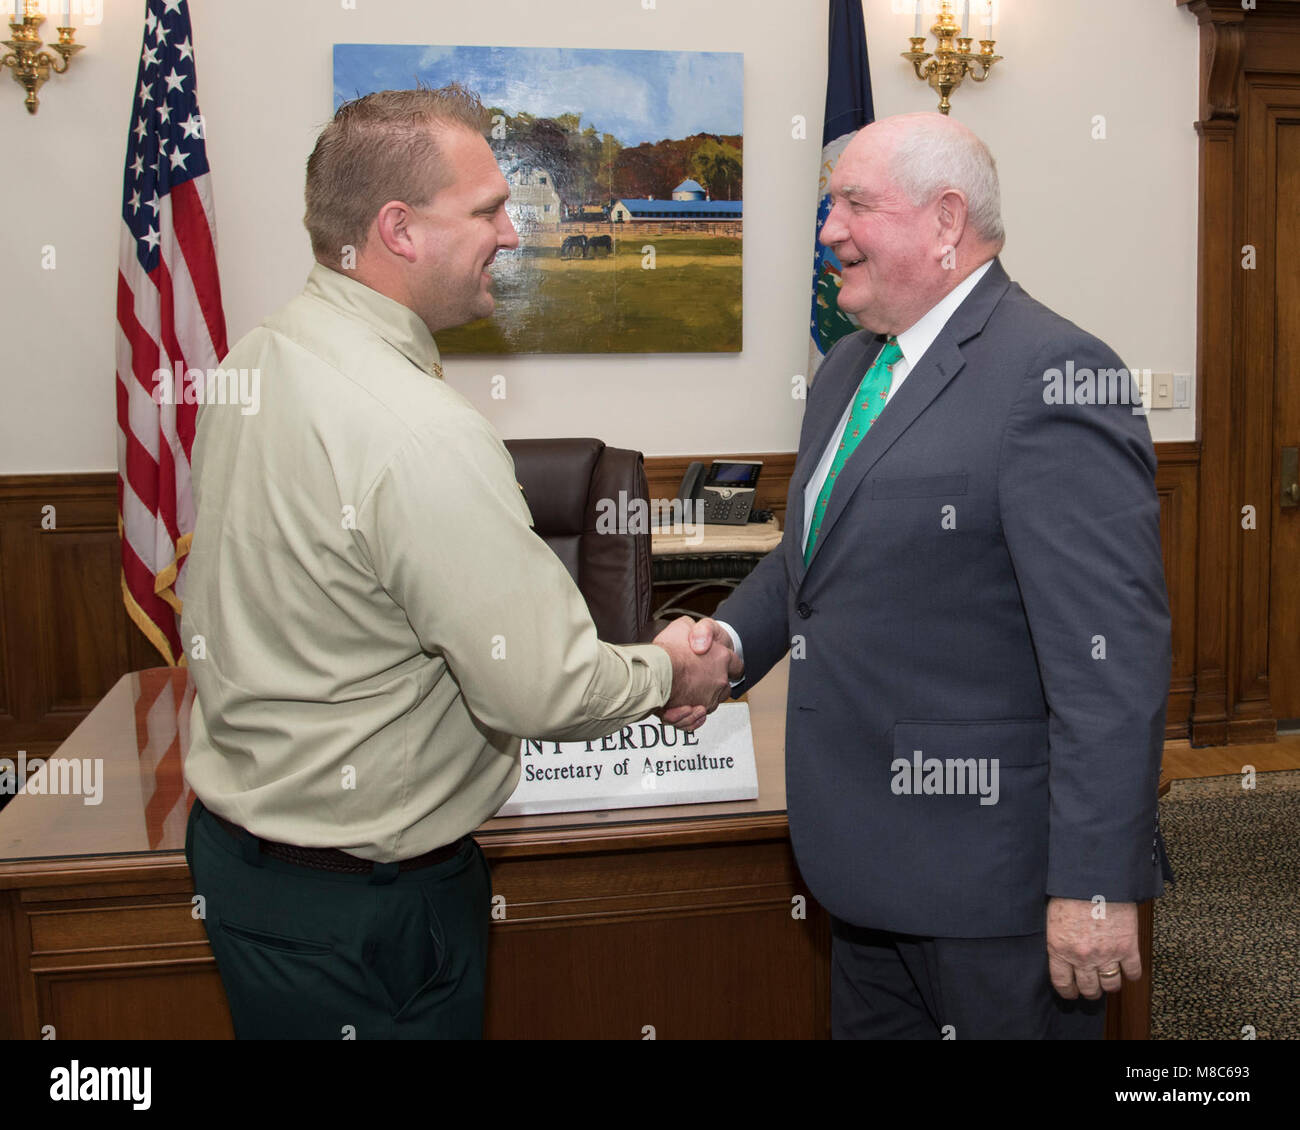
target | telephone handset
[{"x": 727, "y": 490}]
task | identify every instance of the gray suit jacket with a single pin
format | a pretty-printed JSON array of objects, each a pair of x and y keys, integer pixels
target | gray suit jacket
[{"x": 986, "y": 597}]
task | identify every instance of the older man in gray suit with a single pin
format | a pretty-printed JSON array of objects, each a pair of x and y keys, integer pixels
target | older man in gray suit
[{"x": 972, "y": 592}]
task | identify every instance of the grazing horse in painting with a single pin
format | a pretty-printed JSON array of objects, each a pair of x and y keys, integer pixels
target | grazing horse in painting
[
  {"x": 574, "y": 247},
  {"x": 599, "y": 244}
]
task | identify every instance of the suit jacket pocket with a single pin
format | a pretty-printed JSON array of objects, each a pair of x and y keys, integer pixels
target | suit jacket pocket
[
  {"x": 1013, "y": 741},
  {"x": 970, "y": 802},
  {"x": 919, "y": 486}
]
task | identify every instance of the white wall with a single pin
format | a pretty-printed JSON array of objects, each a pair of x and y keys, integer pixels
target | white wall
[{"x": 1104, "y": 231}]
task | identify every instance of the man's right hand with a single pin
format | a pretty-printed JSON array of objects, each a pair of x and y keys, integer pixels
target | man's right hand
[
  {"x": 702, "y": 672},
  {"x": 707, "y": 644},
  {"x": 708, "y": 632}
]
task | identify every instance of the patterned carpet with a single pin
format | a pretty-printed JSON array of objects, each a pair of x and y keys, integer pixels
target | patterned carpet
[{"x": 1227, "y": 933}]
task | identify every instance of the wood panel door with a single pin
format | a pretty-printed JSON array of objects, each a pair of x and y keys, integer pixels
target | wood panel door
[
  {"x": 1284, "y": 571},
  {"x": 1248, "y": 349}
]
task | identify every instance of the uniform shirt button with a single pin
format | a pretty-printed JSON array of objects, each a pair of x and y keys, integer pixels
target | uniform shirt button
[{"x": 803, "y": 610}]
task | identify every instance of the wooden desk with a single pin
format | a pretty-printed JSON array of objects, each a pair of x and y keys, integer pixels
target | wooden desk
[{"x": 691, "y": 920}]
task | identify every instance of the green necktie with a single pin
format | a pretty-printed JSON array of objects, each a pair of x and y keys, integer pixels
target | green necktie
[{"x": 867, "y": 405}]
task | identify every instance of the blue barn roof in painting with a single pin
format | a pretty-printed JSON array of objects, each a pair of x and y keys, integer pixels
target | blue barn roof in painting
[
  {"x": 686, "y": 209},
  {"x": 689, "y": 186}
]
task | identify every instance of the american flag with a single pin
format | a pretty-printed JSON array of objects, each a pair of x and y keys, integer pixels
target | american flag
[{"x": 169, "y": 318}]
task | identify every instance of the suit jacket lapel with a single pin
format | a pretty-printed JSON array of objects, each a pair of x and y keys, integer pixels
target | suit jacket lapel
[
  {"x": 939, "y": 365},
  {"x": 837, "y": 380}
]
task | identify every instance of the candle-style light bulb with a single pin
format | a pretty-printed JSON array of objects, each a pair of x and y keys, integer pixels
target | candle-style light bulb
[
  {"x": 918, "y": 18},
  {"x": 965, "y": 20},
  {"x": 988, "y": 12}
]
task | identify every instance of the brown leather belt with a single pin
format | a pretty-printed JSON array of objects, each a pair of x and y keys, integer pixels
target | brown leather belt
[{"x": 331, "y": 859}]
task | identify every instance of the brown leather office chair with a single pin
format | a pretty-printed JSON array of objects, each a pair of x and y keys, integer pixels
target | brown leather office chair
[{"x": 564, "y": 481}]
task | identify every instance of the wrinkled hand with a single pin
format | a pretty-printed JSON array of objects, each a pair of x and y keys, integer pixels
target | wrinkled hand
[
  {"x": 702, "y": 671},
  {"x": 1080, "y": 947},
  {"x": 704, "y": 638}
]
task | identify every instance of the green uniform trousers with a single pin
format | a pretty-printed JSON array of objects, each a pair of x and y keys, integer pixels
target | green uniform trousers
[{"x": 306, "y": 954}]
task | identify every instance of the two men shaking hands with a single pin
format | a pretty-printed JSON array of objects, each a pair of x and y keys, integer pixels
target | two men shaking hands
[
  {"x": 950, "y": 588},
  {"x": 705, "y": 665}
]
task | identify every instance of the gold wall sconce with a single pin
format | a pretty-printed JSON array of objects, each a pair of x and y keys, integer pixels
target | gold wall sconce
[
  {"x": 31, "y": 65},
  {"x": 952, "y": 59}
]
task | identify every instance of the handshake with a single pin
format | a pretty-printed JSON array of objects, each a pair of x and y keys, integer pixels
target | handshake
[{"x": 704, "y": 666}]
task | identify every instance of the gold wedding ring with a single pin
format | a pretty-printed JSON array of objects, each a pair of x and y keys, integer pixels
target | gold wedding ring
[{"x": 1108, "y": 972}]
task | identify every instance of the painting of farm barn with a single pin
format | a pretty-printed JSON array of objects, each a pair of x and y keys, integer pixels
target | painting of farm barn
[{"x": 626, "y": 187}]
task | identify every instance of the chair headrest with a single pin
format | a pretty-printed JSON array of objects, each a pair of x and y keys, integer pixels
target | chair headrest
[{"x": 556, "y": 476}]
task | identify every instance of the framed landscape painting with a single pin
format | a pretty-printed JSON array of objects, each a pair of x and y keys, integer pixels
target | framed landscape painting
[{"x": 626, "y": 187}]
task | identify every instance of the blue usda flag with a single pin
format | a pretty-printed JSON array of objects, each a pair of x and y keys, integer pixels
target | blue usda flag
[{"x": 848, "y": 109}]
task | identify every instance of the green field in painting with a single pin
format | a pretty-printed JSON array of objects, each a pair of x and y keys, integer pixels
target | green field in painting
[{"x": 689, "y": 302}]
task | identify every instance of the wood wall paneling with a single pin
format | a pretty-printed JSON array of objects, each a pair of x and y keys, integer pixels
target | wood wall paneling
[
  {"x": 65, "y": 638},
  {"x": 83, "y": 653},
  {"x": 664, "y": 473},
  {"x": 65, "y": 635},
  {"x": 6, "y": 692}
]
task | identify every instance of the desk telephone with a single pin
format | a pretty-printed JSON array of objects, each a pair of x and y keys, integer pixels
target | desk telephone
[{"x": 727, "y": 490}]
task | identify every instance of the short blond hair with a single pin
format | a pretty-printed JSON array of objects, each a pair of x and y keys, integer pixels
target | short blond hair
[{"x": 378, "y": 148}]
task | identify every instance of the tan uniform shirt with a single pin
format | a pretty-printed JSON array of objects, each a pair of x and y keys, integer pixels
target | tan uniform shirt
[{"x": 379, "y": 622}]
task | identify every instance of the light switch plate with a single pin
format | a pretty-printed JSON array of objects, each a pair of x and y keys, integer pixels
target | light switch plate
[
  {"x": 1182, "y": 390},
  {"x": 1162, "y": 390}
]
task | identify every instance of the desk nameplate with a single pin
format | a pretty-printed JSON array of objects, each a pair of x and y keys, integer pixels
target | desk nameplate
[{"x": 645, "y": 764}]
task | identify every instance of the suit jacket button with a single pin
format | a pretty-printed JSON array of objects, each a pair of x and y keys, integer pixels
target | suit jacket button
[{"x": 803, "y": 610}]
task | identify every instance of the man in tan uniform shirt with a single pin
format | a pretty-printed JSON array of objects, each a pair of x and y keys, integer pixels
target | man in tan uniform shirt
[{"x": 373, "y": 624}]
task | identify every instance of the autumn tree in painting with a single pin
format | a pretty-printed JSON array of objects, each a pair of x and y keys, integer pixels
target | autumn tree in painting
[
  {"x": 594, "y": 168},
  {"x": 716, "y": 165}
]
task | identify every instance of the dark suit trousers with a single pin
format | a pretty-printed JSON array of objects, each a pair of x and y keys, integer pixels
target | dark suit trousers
[
  {"x": 306, "y": 954},
  {"x": 887, "y": 986}
]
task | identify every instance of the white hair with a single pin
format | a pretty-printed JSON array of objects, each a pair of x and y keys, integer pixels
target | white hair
[{"x": 931, "y": 157}]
